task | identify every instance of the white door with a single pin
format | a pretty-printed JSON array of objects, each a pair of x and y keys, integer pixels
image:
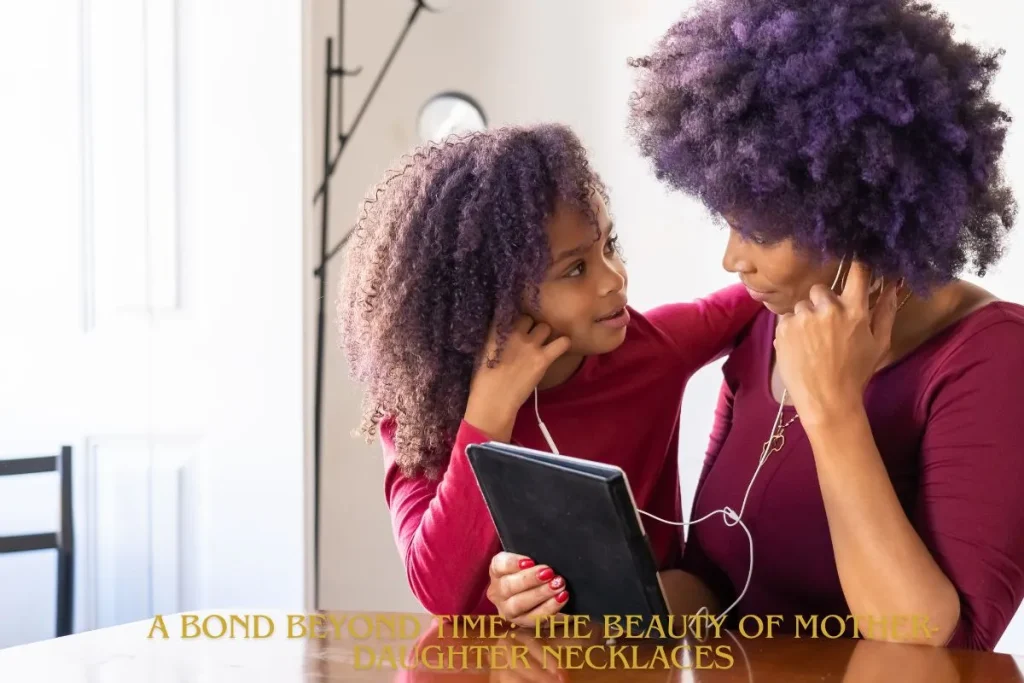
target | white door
[{"x": 151, "y": 304}]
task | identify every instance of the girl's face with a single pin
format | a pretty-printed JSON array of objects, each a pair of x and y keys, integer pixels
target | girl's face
[
  {"x": 778, "y": 275},
  {"x": 583, "y": 295}
]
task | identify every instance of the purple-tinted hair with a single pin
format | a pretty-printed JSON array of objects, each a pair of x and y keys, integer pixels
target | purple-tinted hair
[
  {"x": 452, "y": 239},
  {"x": 850, "y": 126}
]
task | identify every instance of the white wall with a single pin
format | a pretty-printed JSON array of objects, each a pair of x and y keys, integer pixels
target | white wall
[{"x": 535, "y": 60}]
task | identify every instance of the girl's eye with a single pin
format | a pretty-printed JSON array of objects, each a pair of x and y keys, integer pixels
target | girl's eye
[{"x": 611, "y": 247}]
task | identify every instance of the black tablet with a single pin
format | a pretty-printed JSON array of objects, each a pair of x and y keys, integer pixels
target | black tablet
[{"x": 580, "y": 518}]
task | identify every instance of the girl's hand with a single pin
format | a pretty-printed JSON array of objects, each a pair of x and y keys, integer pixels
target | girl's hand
[
  {"x": 497, "y": 393},
  {"x": 524, "y": 592},
  {"x": 828, "y": 348}
]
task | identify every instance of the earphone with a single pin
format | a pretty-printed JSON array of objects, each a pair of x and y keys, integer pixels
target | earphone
[
  {"x": 730, "y": 517},
  {"x": 543, "y": 427}
]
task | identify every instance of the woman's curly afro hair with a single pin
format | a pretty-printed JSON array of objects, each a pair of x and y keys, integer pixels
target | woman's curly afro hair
[
  {"x": 850, "y": 126},
  {"x": 450, "y": 241}
]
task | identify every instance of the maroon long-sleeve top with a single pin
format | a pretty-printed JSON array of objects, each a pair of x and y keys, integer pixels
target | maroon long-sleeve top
[
  {"x": 620, "y": 408},
  {"x": 948, "y": 420}
]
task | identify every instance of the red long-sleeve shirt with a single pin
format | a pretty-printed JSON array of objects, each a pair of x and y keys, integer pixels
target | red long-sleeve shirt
[
  {"x": 621, "y": 408},
  {"x": 948, "y": 420}
]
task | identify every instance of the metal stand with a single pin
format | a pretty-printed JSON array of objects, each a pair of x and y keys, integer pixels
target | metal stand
[{"x": 333, "y": 71}]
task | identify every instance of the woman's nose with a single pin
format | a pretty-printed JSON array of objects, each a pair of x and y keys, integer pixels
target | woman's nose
[{"x": 735, "y": 259}]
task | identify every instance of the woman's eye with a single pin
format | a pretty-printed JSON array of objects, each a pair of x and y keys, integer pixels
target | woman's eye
[
  {"x": 576, "y": 270},
  {"x": 612, "y": 245}
]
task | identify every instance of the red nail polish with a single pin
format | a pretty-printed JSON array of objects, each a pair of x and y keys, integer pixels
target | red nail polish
[
  {"x": 557, "y": 583},
  {"x": 525, "y": 563},
  {"x": 562, "y": 597},
  {"x": 546, "y": 574}
]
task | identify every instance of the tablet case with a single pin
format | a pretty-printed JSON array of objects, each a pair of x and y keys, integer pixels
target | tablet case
[{"x": 579, "y": 517}]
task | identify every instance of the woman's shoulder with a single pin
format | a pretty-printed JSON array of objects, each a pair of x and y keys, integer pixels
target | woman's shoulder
[
  {"x": 992, "y": 326},
  {"x": 985, "y": 345}
]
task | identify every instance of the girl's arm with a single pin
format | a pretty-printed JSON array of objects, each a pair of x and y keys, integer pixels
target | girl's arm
[
  {"x": 443, "y": 529},
  {"x": 705, "y": 329}
]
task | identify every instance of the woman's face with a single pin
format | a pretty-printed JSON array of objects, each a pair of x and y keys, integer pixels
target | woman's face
[
  {"x": 778, "y": 274},
  {"x": 583, "y": 295}
]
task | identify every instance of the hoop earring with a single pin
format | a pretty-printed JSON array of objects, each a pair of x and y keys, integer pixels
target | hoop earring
[{"x": 839, "y": 271}]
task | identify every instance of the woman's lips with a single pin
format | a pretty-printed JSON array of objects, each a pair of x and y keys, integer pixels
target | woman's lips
[{"x": 757, "y": 295}]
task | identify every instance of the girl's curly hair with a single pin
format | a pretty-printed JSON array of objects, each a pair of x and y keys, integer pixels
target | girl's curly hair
[
  {"x": 449, "y": 241},
  {"x": 851, "y": 126}
]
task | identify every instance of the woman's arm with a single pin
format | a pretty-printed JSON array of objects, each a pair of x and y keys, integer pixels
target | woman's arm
[
  {"x": 956, "y": 564},
  {"x": 958, "y": 559},
  {"x": 885, "y": 569}
]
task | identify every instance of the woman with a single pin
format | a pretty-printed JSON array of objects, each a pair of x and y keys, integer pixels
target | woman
[
  {"x": 499, "y": 248},
  {"x": 825, "y": 134}
]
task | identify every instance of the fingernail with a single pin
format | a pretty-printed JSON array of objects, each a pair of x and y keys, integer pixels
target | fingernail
[
  {"x": 525, "y": 563},
  {"x": 546, "y": 574},
  {"x": 557, "y": 583},
  {"x": 562, "y": 597}
]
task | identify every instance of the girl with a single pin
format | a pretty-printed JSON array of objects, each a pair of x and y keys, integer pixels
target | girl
[{"x": 484, "y": 287}]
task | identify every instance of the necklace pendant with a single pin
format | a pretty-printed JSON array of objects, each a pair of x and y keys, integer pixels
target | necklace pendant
[{"x": 774, "y": 444}]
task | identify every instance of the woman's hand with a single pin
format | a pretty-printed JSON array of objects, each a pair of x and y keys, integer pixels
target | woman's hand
[
  {"x": 828, "y": 348},
  {"x": 496, "y": 393},
  {"x": 523, "y": 591}
]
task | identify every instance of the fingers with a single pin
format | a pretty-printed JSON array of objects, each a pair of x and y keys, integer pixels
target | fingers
[
  {"x": 520, "y": 590},
  {"x": 490, "y": 347},
  {"x": 524, "y": 324},
  {"x": 556, "y": 349},
  {"x": 520, "y": 328},
  {"x": 803, "y": 307},
  {"x": 541, "y": 335},
  {"x": 545, "y": 609},
  {"x": 508, "y": 563},
  {"x": 855, "y": 293},
  {"x": 821, "y": 298},
  {"x": 523, "y": 580},
  {"x": 541, "y": 602}
]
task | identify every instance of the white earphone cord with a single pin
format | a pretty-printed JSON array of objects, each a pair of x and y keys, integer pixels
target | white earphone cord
[{"x": 730, "y": 517}]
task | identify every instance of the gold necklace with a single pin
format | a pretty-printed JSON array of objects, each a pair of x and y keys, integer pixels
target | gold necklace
[{"x": 777, "y": 440}]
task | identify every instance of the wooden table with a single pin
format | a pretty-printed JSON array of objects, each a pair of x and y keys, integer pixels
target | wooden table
[{"x": 348, "y": 646}]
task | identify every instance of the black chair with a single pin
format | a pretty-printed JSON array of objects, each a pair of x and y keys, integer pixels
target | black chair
[{"x": 63, "y": 541}]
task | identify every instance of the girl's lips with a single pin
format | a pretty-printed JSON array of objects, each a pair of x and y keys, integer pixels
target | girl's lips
[{"x": 618, "y": 319}]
